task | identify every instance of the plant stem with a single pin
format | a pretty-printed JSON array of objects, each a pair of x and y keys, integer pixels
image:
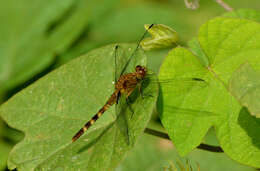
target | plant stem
[
  {"x": 224, "y": 5},
  {"x": 202, "y": 146}
]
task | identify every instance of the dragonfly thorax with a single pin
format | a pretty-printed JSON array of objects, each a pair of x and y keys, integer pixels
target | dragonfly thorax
[{"x": 140, "y": 72}]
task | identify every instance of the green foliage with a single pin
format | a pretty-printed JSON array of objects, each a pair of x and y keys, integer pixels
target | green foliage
[
  {"x": 34, "y": 33},
  {"x": 188, "y": 111},
  {"x": 28, "y": 42},
  {"x": 51, "y": 110}
]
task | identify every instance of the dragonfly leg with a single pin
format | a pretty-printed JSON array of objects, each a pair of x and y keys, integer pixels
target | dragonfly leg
[
  {"x": 117, "y": 97},
  {"x": 146, "y": 95},
  {"x": 141, "y": 91},
  {"x": 129, "y": 105}
]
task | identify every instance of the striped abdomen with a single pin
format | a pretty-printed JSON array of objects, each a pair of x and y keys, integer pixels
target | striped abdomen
[{"x": 109, "y": 103}]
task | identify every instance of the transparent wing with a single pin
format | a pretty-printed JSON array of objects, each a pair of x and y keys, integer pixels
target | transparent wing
[
  {"x": 180, "y": 85},
  {"x": 120, "y": 61},
  {"x": 135, "y": 50}
]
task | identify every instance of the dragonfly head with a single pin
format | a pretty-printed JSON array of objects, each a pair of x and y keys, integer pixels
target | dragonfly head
[{"x": 140, "y": 71}]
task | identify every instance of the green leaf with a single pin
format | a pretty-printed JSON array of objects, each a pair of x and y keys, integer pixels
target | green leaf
[
  {"x": 53, "y": 109},
  {"x": 162, "y": 36},
  {"x": 244, "y": 14},
  {"x": 189, "y": 110},
  {"x": 245, "y": 86},
  {"x": 179, "y": 104},
  {"x": 32, "y": 33}
]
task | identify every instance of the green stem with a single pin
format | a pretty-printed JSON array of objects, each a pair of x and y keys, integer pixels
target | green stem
[{"x": 202, "y": 146}]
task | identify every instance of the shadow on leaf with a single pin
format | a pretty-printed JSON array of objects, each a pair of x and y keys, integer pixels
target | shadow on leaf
[
  {"x": 249, "y": 123},
  {"x": 93, "y": 142}
]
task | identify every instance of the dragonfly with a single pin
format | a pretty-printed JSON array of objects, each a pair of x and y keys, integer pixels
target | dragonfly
[{"x": 126, "y": 84}]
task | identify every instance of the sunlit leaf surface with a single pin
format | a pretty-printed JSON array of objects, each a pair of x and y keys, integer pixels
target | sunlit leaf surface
[
  {"x": 245, "y": 86},
  {"x": 227, "y": 43}
]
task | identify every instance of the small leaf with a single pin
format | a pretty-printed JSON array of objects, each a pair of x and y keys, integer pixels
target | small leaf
[
  {"x": 245, "y": 86},
  {"x": 162, "y": 36},
  {"x": 54, "y": 108}
]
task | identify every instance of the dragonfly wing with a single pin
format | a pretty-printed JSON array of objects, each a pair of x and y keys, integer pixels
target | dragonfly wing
[
  {"x": 120, "y": 61},
  {"x": 126, "y": 59},
  {"x": 181, "y": 85},
  {"x": 135, "y": 51}
]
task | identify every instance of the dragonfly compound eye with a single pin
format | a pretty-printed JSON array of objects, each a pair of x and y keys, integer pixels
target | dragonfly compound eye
[{"x": 138, "y": 68}]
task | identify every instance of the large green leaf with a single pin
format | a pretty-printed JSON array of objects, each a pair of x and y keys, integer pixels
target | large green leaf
[
  {"x": 33, "y": 32},
  {"x": 53, "y": 109},
  {"x": 189, "y": 110},
  {"x": 182, "y": 115}
]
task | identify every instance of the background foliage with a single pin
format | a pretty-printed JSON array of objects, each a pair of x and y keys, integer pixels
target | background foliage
[{"x": 37, "y": 37}]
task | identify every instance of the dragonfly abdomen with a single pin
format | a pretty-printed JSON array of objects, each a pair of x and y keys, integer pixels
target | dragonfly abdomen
[{"x": 110, "y": 102}]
